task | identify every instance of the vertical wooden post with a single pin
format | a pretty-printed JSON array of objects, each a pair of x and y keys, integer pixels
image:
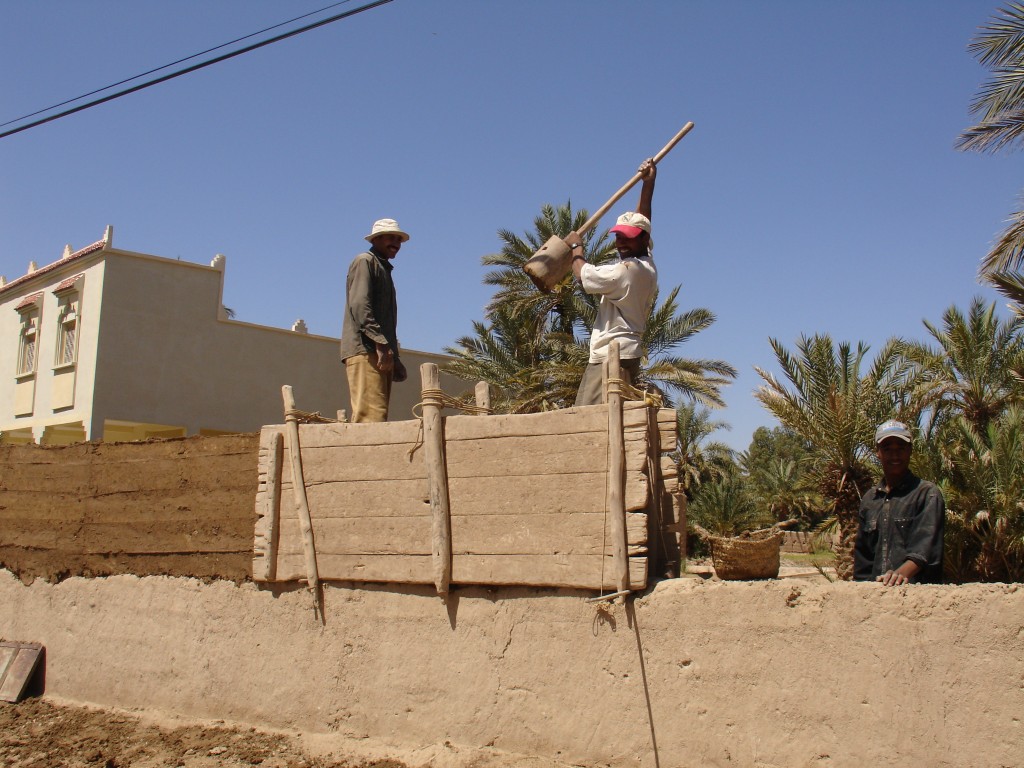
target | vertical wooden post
[
  {"x": 682, "y": 509},
  {"x": 265, "y": 568},
  {"x": 616, "y": 493},
  {"x": 437, "y": 477},
  {"x": 482, "y": 392},
  {"x": 299, "y": 485},
  {"x": 483, "y": 396}
]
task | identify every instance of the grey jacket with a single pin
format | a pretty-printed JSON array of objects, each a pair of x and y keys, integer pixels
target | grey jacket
[{"x": 371, "y": 306}]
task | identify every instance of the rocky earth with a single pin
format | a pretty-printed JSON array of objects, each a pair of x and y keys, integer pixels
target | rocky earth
[
  {"x": 53, "y": 733},
  {"x": 38, "y": 733}
]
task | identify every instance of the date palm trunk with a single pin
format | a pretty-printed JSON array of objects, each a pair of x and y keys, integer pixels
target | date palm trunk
[{"x": 846, "y": 486}]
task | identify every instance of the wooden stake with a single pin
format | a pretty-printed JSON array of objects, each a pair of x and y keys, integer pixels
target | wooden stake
[
  {"x": 299, "y": 484},
  {"x": 271, "y": 509},
  {"x": 437, "y": 477},
  {"x": 616, "y": 471},
  {"x": 483, "y": 396}
]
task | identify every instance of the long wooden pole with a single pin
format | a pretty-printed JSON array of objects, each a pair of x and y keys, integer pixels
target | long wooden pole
[
  {"x": 437, "y": 477},
  {"x": 616, "y": 493},
  {"x": 549, "y": 265},
  {"x": 291, "y": 421},
  {"x": 596, "y": 217}
]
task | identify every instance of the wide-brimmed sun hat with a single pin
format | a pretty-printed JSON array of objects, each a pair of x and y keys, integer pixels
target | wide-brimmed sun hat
[
  {"x": 631, "y": 224},
  {"x": 386, "y": 227}
]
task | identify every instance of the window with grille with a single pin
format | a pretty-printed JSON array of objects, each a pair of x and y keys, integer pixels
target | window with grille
[
  {"x": 27, "y": 343},
  {"x": 66, "y": 342},
  {"x": 67, "y": 331},
  {"x": 68, "y": 309}
]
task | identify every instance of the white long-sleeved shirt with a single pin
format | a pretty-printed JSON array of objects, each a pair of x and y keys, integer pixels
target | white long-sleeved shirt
[{"x": 627, "y": 291}]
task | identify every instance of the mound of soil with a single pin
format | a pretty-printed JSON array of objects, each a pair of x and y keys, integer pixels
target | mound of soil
[{"x": 38, "y": 733}]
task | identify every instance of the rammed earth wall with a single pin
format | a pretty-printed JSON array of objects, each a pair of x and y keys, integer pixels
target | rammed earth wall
[
  {"x": 734, "y": 674},
  {"x": 774, "y": 673},
  {"x": 178, "y": 507}
]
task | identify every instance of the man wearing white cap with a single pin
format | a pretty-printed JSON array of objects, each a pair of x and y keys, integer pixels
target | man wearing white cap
[
  {"x": 369, "y": 334},
  {"x": 900, "y": 537},
  {"x": 627, "y": 289}
]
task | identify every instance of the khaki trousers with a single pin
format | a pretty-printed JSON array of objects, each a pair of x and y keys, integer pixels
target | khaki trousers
[
  {"x": 592, "y": 389},
  {"x": 368, "y": 388}
]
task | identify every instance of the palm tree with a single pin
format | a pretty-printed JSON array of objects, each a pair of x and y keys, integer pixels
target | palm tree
[
  {"x": 1011, "y": 285},
  {"x": 999, "y": 106},
  {"x": 560, "y": 309},
  {"x": 526, "y": 370},
  {"x": 985, "y": 536},
  {"x": 835, "y": 407},
  {"x": 725, "y": 507},
  {"x": 698, "y": 380},
  {"x": 698, "y": 459},
  {"x": 971, "y": 371},
  {"x": 787, "y": 491},
  {"x": 527, "y": 351},
  {"x": 534, "y": 346}
]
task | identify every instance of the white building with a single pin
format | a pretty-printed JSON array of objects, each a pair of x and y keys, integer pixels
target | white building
[{"x": 107, "y": 344}]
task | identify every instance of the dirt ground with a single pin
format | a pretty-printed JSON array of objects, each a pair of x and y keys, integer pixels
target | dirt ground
[
  {"x": 38, "y": 733},
  {"x": 53, "y": 733}
]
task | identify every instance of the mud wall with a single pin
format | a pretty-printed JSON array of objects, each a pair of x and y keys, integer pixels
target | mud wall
[
  {"x": 739, "y": 674},
  {"x": 181, "y": 507},
  {"x": 777, "y": 673}
]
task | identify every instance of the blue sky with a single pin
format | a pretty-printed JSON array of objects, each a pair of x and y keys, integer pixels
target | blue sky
[{"x": 819, "y": 191}]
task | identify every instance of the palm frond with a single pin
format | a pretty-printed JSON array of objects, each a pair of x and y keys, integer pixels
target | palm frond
[{"x": 999, "y": 46}]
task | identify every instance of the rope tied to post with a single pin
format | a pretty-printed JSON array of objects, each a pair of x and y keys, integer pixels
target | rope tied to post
[
  {"x": 307, "y": 417},
  {"x": 629, "y": 392},
  {"x": 441, "y": 400},
  {"x": 437, "y": 398}
]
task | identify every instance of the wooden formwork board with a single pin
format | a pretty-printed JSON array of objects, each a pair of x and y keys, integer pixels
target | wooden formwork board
[
  {"x": 527, "y": 497},
  {"x": 17, "y": 663}
]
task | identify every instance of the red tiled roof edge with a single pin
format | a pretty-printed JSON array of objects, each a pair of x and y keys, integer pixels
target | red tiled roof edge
[
  {"x": 29, "y": 301},
  {"x": 97, "y": 246},
  {"x": 69, "y": 282}
]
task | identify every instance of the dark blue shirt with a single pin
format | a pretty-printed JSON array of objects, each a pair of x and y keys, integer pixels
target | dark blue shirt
[{"x": 904, "y": 524}]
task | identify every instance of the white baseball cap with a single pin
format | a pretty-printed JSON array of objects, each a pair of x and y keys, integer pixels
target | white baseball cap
[{"x": 893, "y": 429}]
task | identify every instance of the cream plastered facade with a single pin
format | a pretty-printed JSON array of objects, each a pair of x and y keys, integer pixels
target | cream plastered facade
[{"x": 107, "y": 344}]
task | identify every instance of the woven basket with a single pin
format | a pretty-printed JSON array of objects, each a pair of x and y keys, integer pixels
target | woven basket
[{"x": 753, "y": 555}]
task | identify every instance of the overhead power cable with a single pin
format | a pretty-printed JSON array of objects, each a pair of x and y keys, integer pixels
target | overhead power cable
[
  {"x": 186, "y": 70},
  {"x": 173, "y": 63}
]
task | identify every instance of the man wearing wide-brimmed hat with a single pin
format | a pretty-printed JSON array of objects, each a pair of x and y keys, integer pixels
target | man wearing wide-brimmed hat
[
  {"x": 369, "y": 335},
  {"x": 627, "y": 289},
  {"x": 900, "y": 537}
]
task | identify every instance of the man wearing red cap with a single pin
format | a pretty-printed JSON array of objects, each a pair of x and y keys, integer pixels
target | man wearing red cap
[
  {"x": 369, "y": 333},
  {"x": 627, "y": 289}
]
